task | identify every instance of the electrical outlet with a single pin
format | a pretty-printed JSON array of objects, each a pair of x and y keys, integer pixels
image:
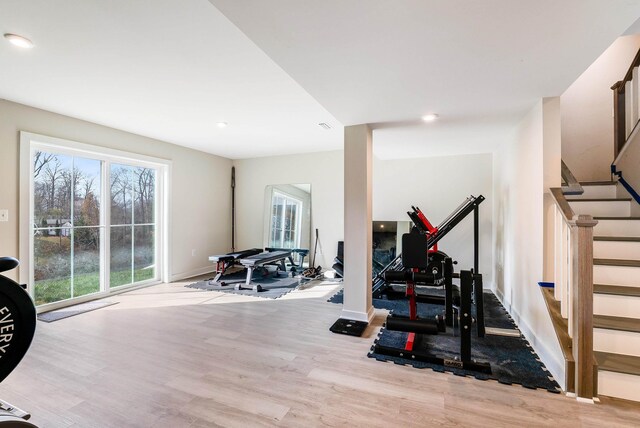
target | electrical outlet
[{"x": 4, "y": 215}]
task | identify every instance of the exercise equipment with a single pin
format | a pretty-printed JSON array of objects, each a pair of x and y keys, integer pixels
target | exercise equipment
[
  {"x": 225, "y": 261},
  {"x": 433, "y": 235},
  {"x": 415, "y": 261},
  {"x": 313, "y": 271},
  {"x": 299, "y": 253},
  {"x": 338, "y": 261},
  {"x": 17, "y": 327},
  {"x": 256, "y": 261}
]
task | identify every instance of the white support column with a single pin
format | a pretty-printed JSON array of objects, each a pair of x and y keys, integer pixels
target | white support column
[{"x": 358, "y": 162}]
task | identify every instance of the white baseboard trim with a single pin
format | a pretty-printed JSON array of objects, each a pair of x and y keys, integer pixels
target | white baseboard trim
[
  {"x": 500, "y": 297},
  {"x": 359, "y": 316},
  {"x": 547, "y": 356},
  {"x": 191, "y": 273}
]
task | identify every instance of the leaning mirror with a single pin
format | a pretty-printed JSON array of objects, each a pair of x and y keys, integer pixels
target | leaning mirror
[{"x": 287, "y": 220}]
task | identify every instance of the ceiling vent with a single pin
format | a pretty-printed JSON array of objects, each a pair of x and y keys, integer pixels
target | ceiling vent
[{"x": 324, "y": 125}]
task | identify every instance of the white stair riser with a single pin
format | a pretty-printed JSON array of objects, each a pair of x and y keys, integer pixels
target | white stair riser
[
  {"x": 619, "y": 385},
  {"x": 616, "y": 275},
  {"x": 602, "y": 208},
  {"x": 592, "y": 192},
  {"x": 616, "y": 341},
  {"x": 616, "y": 250},
  {"x": 617, "y": 228},
  {"x": 617, "y": 306}
]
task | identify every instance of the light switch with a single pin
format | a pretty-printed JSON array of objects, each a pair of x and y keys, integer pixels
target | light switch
[{"x": 4, "y": 215}]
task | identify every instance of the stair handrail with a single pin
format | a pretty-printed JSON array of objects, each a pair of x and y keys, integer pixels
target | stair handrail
[
  {"x": 572, "y": 186},
  {"x": 573, "y": 271},
  {"x": 622, "y": 127}
]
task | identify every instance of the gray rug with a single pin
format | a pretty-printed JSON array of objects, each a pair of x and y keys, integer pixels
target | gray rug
[
  {"x": 70, "y": 311},
  {"x": 273, "y": 287}
]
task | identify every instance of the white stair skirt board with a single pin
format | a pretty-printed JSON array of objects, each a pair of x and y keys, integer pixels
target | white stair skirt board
[
  {"x": 616, "y": 341},
  {"x": 600, "y": 191},
  {"x": 623, "y": 250},
  {"x": 620, "y": 385},
  {"x": 616, "y": 275},
  {"x": 617, "y": 228},
  {"x": 615, "y": 305},
  {"x": 602, "y": 208}
]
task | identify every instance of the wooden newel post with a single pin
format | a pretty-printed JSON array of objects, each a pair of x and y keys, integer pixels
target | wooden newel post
[{"x": 583, "y": 309}]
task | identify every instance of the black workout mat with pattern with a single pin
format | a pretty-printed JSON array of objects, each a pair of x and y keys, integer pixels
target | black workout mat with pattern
[
  {"x": 273, "y": 287},
  {"x": 512, "y": 359}
]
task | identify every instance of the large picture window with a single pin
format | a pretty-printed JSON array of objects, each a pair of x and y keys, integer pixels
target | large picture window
[{"x": 95, "y": 220}]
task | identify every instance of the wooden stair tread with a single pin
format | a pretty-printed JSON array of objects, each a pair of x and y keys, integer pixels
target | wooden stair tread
[
  {"x": 599, "y": 200},
  {"x": 597, "y": 183},
  {"x": 616, "y": 218},
  {"x": 616, "y": 323},
  {"x": 617, "y": 238},
  {"x": 616, "y": 262},
  {"x": 618, "y": 290},
  {"x": 619, "y": 363}
]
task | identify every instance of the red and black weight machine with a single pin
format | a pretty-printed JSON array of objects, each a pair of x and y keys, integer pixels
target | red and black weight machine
[
  {"x": 416, "y": 263},
  {"x": 433, "y": 234}
]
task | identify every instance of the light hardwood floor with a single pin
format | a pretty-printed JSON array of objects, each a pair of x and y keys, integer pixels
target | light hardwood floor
[{"x": 170, "y": 356}]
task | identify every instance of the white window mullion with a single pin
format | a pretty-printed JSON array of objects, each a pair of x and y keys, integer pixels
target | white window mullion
[
  {"x": 72, "y": 232},
  {"x": 105, "y": 221},
  {"x": 133, "y": 220}
]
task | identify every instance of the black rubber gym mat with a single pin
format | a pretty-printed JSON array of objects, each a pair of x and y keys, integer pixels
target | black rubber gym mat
[
  {"x": 512, "y": 359},
  {"x": 273, "y": 287}
]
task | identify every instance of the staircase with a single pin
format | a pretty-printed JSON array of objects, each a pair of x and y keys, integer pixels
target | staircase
[{"x": 616, "y": 278}]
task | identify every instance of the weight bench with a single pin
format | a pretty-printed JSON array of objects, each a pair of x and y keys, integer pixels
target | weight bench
[
  {"x": 267, "y": 258},
  {"x": 225, "y": 261},
  {"x": 301, "y": 252}
]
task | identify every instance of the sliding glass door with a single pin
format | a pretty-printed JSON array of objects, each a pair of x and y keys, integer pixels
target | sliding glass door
[
  {"x": 133, "y": 227},
  {"x": 67, "y": 227},
  {"x": 94, "y": 224}
]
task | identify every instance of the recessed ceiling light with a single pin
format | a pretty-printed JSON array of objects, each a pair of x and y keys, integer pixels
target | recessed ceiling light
[
  {"x": 430, "y": 117},
  {"x": 324, "y": 125},
  {"x": 222, "y": 124},
  {"x": 382, "y": 226},
  {"x": 19, "y": 41}
]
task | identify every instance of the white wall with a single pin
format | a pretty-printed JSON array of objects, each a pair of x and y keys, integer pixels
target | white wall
[
  {"x": 200, "y": 211},
  {"x": 627, "y": 163},
  {"x": 587, "y": 112},
  {"x": 518, "y": 239},
  {"x": 552, "y": 177},
  {"x": 438, "y": 185},
  {"x": 324, "y": 171}
]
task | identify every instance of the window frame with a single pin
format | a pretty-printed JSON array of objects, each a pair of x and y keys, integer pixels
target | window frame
[{"x": 29, "y": 144}]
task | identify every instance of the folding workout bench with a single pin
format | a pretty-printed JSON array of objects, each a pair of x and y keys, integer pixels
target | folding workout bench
[
  {"x": 252, "y": 262},
  {"x": 225, "y": 261},
  {"x": 301, "y": 252}
]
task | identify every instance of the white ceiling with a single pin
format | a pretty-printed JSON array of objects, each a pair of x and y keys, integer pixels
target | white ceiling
[
  {"x": 480, "y": 64},
  {"x": 171, "y": 69},
  {"x": 167, "y": 69}
]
